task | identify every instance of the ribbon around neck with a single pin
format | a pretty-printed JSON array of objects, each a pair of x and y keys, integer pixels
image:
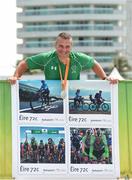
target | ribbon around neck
[{"x": 64, "y": 82}]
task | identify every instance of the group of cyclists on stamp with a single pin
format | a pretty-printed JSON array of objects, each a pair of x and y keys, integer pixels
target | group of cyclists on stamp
[
  {"x": 93, "y": 146},
  {"x": 41, "y": 152}
]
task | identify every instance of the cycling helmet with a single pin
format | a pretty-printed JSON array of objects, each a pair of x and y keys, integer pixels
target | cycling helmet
[
  {"x": 50, "y": 140},
  {"x": 75, "y": 132},
  {"x": 26, "y": 142},
  {"x": 107, "y": 132},
  {"x": 61, "y": 140},
  {"x": 42, "y": 81},
  {"x": 98, "y": 132},
  {"x": 33, "y": 139},
  {"x": 88, "y": 132}
]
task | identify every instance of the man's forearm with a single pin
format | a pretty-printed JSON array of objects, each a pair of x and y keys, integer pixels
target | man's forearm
[
  {"x": 102, "y": 75},
  {"x": 99, "y": 71},
  {"x": 20, "y": 70}
]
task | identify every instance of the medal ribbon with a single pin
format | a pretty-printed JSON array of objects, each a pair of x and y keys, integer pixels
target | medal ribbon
[{"x": 64, "y": 82}]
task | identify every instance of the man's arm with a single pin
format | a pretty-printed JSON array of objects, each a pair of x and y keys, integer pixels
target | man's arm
[
  {"x": 21, "y": 68},
  {"x": 99, "y": 70},
  {"x": 101, "y": 74}
]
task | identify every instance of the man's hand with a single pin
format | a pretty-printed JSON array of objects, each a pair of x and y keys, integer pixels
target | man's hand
[
  {"x": 21, "y": 68},
  {"x": 100, "y": 73},
  {"x": 111, "y": 80},
  {"x": 12, "y": 80}
]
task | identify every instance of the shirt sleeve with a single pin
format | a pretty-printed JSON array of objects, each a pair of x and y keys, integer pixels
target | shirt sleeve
[
  {"x": 87, "y": 62},
  {"x": 37, "y": 62}
]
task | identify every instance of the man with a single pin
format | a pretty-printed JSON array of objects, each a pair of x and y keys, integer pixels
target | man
[
  {"x": 34, "y": 149},
  {"x": 98, "y": 97},
  {"x": 45, "y": 92},
  {"x": 78, "y": 98},
  {"x": 41, "y": 151},
  {"x": 75, "y": 146},
  {"x": 98, "y": 147},
  {"x": 86, "y": 145},
  {"x": 60, "y": 64}
]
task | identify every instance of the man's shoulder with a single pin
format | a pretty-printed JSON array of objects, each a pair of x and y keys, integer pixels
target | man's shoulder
[
  {"x": 79, "y": 55},
  {"x": 48, "y": 54},
  {"x": 41, "y": 56},
  {"x": 84, "y": 138}
]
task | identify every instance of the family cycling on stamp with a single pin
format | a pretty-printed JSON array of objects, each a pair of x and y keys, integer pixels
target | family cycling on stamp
[{"x": 92, "y": 103}]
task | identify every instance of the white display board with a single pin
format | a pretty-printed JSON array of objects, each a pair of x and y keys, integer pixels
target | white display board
[{"x": 71, "y": 137}]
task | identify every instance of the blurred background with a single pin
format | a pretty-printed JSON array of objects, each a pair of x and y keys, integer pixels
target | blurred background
[{"x": 99, "y": 28}]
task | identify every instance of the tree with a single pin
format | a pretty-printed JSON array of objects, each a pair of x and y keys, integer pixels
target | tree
[{"x": 121, "y": 63}]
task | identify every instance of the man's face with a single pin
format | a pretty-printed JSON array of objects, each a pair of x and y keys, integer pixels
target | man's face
[{"x": 63, "y": 47}]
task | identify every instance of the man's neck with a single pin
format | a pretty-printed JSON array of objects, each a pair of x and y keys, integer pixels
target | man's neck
[{"x": 64, "y": 60}]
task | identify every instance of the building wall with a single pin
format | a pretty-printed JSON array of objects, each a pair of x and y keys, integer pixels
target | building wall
[{"x": 129, "y": 31}]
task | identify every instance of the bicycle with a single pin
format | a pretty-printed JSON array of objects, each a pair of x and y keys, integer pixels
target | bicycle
[
  {"x": 39, "y": 104},
  {"x": 79, "y": 105},
  {"x": 38, "y": 100},
  {"x": 96, "y": 106},
  {"x": 75, "y": 156}
]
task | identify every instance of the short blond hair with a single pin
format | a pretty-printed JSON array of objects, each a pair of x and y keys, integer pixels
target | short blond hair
[{"x": 64, "y": 35}]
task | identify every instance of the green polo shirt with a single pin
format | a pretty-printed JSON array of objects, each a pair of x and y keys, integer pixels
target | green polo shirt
[{"x": 49, "y": 63}]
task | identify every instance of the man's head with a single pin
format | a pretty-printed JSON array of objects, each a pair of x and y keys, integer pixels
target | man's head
[
  {"x": 63, "y": 45},
  {"x": 32, "y": 139},
  {"x": 98, "y": 132},
  {"x": 88, "y": 132},
  {"x": 43, "y": 82},
  {"x": 50, "y": 140},
  {"x": 75, "y": 132},
  {"x": 41, "y": 141}
]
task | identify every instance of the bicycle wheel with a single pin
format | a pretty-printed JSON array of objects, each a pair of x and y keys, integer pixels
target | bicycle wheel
[
  {"x": 71, "y": 106},
  {"x": 36, "y": 102},
  {"x": 85, "y": 106},
  {"x": 105, "y": 107},
  {"x": 92, "y": 107},
  {"x": 78, "y": 106}
]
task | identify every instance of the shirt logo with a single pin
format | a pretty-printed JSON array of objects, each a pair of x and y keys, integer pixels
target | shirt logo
[
  {"x": 53, "y": 68},
  {"x": 73, "y": 69}
]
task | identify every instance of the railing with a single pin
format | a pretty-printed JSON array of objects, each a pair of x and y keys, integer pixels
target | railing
[
  {"x": 31, "y": 28},
  {"x": 102, "y": 59},
  {"x": 60, "y": 11},
  {"x": 69, "y": 11},
  {"x": 32, "y": 44}
]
